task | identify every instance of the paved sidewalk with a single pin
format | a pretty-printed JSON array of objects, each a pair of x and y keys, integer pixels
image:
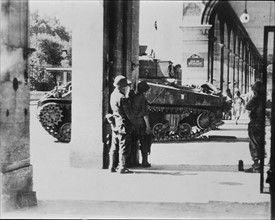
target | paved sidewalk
[{"x": 186, "y": 180}]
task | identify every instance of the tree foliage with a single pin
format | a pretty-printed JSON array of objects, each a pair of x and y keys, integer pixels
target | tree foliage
[
  {"x": 49, "y": 38},
  {"x": 47, "y": 25}
]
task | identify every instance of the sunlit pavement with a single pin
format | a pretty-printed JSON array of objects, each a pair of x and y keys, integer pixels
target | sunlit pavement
[{"x": 197, "y": 179}]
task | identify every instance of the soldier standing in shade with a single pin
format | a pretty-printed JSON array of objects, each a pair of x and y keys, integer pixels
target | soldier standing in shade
[
  {"x": 256, "y": 126},
  {"x": 142, "y": 129},
  {"x": 122, "y": 128}
]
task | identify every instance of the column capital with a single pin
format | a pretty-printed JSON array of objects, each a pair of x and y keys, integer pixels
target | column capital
[
  {"x": 212, "y": 39},
  {"x": 220, "y": 45}
]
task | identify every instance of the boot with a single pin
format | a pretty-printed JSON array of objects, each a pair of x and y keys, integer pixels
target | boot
[
  {"x": 122, "y": 165},
  {"x": 255, "y": 168},
  {"x": 145, "y": 160},
  {"x": 112, "y": 160}
]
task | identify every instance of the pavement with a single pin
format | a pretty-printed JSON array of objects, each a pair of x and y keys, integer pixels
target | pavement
[{"x": 198, "y": 180}]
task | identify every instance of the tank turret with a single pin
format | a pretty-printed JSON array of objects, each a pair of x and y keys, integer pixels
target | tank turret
[{"x": 54, "y": 112}]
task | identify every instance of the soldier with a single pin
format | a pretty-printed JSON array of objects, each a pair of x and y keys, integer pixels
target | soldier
[
  {"x": 122, "y": 127},
  {"x": 256, "y": 126},
  {"x": 142, "y": 129}
]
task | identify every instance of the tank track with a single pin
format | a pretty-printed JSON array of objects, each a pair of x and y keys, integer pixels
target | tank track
[
  {"x": 209, "y": 122},
  {"x": 51, "y": 117}
]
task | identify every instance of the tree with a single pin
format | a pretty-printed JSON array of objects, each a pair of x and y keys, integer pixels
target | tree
[
  {"x": 47, "y": 25},
  {"x": 49, "y": 38}
]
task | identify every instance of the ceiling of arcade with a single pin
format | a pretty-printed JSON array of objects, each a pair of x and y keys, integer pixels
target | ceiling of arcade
[{"x": 262, "y": 13}]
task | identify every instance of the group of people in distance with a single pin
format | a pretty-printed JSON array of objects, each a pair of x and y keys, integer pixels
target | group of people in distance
[{"x": 130, "y": 123}]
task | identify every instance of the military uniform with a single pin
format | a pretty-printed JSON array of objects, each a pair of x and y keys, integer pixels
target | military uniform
[
  {"x": 121, "y": 135},
  {"x": 140, "y": 110},
  {"x": 255, "y": 131}
]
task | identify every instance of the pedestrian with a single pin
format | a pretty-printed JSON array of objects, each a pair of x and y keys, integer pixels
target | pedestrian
[
  {"x": 142, "y": 129},
  {"x": 228, "y": 106},
  {"x": 122, "y": 129},
  {"x": 238, "y": 106},
  {"x": 256, "y": 126}
]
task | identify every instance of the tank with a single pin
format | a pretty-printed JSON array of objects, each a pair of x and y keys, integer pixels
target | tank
[
  {"x": 178, "y": 112},
  {"x": 54, "y": 112}
]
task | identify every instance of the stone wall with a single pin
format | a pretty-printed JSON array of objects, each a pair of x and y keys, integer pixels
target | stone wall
[{"x": 16, "y": 170}]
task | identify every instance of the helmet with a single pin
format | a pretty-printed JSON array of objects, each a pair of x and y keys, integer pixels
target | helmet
[
  {"x": 143, "y": 87},
  {"x": 121, "y": 81},
  {"x": 258, "y": 87}
]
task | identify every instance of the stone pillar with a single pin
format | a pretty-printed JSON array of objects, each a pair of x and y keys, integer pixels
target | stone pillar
[
  {"x": 194, "y": 42},
  {"x": 240, "y": 74},
  {"x": 16, "y": 170},
  {"x": 237, "y": 74},
  {"x": 226, "y": 64},
  {"x": 132, "y": 51},
  {"x": 231, "y": 70},
  {"x": 249, "y": 77},
  {"x": 247, "y": 73},
  {"x": 243, "y": 76},
  {"x": 87, "y": 80},
  {"x": 95, "y": 65},
  {"x": 217, "y": 64}
]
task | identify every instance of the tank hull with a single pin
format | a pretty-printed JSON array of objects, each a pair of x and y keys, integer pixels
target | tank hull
[
  {"x": 179, "y": 112},
  {"x": 54, "y": 113}
]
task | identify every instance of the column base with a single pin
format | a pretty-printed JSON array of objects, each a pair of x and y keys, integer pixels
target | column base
[
  {"x": 19, "y": 199},
  {"x": 17, "y": 189}
]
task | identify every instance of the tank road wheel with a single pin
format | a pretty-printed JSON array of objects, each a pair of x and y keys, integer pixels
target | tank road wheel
[
  {"x": 159, "y": 130},
  {"x": 65, "y": 132},
  {"x": 50, "y": 114},
  {"x": 184, "y": 129},
  {"x": 203, "y": 121}
]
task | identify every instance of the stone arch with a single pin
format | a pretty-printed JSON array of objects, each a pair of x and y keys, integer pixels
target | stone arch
[
  {"x": 229, "y": 19},
  {"x": 208, "y": 11}
]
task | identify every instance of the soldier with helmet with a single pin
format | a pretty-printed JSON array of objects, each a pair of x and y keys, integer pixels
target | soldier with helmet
[
  {"x": 122, "y": 128},
  {"x": 256, "y": 126}
]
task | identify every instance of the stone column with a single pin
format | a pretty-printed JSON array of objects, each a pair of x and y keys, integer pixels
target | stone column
[
  {"x": 231, "y": 70},
  {"x": 16, "y": 170},
  {"x": 240, "y": 74},
  {"x": 194, "y": 42},
  {"x": 132, "y": 38},
  {"x": 87, "y": 80},
  {"x": 243, "y": 76},
  {"x": 96, "y": 62},
  {"x": 249, "y": 76},
  {"x": 217, "y": 64},
  {"x": 237, "y": 74},
  {"x": 226, "y": 68}
]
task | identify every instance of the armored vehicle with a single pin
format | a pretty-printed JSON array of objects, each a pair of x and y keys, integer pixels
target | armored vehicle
[
  {"x": 54, "y": 112},
  {"x": 178, "y": 112}
]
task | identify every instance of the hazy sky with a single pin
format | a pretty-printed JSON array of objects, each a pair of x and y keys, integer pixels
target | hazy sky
[
  {"x": 166, "y": 40},
  {"x": 61, "y": 9}
]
